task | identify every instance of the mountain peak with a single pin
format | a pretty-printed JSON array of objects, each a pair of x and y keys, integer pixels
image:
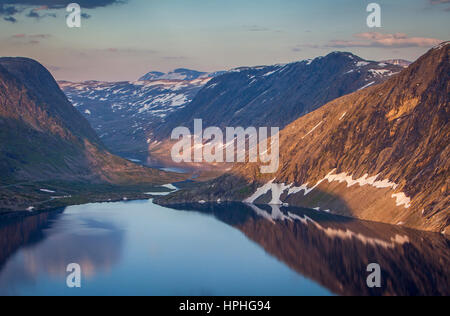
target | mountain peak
[
  {"x": 177, "y": 74},
  {"x": 442, "y": 45}
]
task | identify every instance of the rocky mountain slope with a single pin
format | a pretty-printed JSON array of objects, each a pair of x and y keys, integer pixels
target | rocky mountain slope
[
  {"x": 277, "y": 95},
  {"x": 379, "y": 154},
  {"x": 44, "y": 138}
]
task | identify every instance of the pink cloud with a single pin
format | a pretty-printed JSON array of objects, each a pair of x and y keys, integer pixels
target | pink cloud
[
  {"x": 28, "y": 39},
  {"x": 375, "y": 39},
  {"x": 41, "y": 8}
]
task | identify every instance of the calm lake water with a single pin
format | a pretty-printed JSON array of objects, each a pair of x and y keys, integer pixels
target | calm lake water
[{"x": 139, "y": 248}]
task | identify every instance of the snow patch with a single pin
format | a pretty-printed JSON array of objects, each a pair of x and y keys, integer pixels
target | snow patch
[
  {"x": 47, "y": 191},
  {"x": 366, "y": 86},
  {"x": 276, "y": 188},
  {"x": 169, "y": 186},
  {"x": 362, "y": 63},
  {"x": 402, "y": 199},
  {"x": 314, "y": 128}
]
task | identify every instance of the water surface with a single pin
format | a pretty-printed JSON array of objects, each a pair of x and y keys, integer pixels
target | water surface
[{"x": 139, "y": 248}]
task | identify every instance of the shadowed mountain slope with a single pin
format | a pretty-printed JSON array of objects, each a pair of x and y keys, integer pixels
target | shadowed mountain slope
[{"x": 43, "y": 137}]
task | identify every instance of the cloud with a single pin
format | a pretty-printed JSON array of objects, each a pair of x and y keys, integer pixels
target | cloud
[
  {"x": 58, "y": 4},
  {"x": 7, "y": 10},
  {"x": 10, "y": 8},
  {"x": 256, "y": 28},
  {"x": 175, "y": 57},
  {"x": 375, "y": 39},
  {"x": 34, "y": 14},
  {"x": 10, "y": 19},
  {"x": 128, "y": 51},
  {"x": 39, "y": 36},
  {"x": 28, "y": 39},
  {"x": 440, "y": 2}
]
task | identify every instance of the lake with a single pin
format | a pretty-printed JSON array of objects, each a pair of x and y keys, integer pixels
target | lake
[{"x": 139, "y": 248}]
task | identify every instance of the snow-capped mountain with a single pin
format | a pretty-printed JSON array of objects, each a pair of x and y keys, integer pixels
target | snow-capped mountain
[
  {"x": 277, "y": 95},
  {"x": 398, "y": 62},
  {"x": 124, "y": 113},
  {"x": 133, "y": 117},
  {"x": 177, "y": 74}
]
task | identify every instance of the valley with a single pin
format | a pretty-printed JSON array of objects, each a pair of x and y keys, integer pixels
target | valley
[
  {"x": 135, "y": 119},
  {"x": 359, "y": 138}
]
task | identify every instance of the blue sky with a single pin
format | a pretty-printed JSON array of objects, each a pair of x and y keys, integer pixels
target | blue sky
[{"x": 122, "y": 41}]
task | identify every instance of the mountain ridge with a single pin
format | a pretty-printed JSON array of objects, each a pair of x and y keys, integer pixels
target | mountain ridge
[{"x": 276, "y": 95}]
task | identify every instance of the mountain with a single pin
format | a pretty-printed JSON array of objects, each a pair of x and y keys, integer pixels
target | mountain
[
  {"x": 380, "y": 154},
  {"x": 44, "y": 138},
  {"x": 277, "y": 95},
  {"x": 398, "y": 62},
  {"x": 177, "y": 74},
  {"x": 270, "y": 96},
  {"x": 124, "y": 114},
  {"x": 152, "y": 75},
  {"x": 134, "y": 119}
]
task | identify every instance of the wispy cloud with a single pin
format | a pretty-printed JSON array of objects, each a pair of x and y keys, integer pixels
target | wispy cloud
[
  {"x": 128, "y": 51},
  {"x": 441, "y": 3},
  {"x": 258, "y": 28},
  {"x": 375, "y": 39},
  {"x": 28, "y": 39}
]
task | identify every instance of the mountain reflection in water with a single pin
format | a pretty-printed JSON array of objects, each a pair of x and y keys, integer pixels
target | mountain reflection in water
[
  {"x": 68, "y": 240},
  {"x": 225, "y": 249},
  {"x": 335, "y": 251}
]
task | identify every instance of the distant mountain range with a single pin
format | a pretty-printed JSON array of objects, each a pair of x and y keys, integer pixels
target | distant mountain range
[
  {"x": 179, "y": 74},
  {"x": 379, "y": 154},
  {"x": 44, "y": 138},
  {"x": 271, "y": 96},
  {"x": 124, "y": 114},
  {"x": 277, "y": 95},
  {"x": 135, "y": 119}
]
